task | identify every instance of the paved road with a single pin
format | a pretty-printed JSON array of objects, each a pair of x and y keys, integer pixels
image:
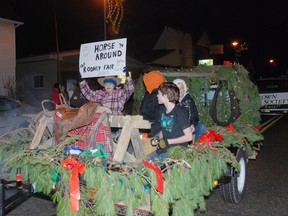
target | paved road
[
  {"x": 267, "y": 189},
  {"x": 34, "y": 207}
]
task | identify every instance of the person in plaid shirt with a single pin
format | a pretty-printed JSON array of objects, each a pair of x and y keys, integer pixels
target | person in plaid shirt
[{"x": 111, "y": 96}]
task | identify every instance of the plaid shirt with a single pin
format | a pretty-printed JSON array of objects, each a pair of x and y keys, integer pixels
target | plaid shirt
[
  {"x": 114, "y": 100},
  {"x": 101, "y": 136}
]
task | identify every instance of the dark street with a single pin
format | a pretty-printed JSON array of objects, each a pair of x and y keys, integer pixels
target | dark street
[{"x": 267, "y": 189}]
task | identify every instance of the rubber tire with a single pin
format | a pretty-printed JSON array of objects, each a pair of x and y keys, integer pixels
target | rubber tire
[{"x": 234, "y": 191}]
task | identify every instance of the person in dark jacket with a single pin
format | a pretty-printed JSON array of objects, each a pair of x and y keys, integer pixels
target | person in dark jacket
[
  {"x": 186, "y": 101},
  {"x": 77, "y": 99},
  {"x": 149, "y": 108}
]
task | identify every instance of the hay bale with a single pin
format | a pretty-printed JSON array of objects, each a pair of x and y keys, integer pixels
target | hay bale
[{"x": 147, "y": 147}]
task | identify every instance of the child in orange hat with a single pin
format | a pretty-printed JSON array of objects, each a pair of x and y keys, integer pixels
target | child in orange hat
[
  {"x": 153, "y": 80},
  {"x": 149, "y": 108}
]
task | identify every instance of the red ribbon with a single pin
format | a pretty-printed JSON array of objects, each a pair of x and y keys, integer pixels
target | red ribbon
[
  {"x": 209, "y": 136},
  {"x": 230, "y": 128},
  {"x": 159, "y": 187},
  {"x": 76, "y": 168}
]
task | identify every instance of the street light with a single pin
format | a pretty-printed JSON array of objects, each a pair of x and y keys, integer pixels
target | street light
[
  {"x": 238, "y": 48},
  {"x": 272, "y": 65},
  {"x": 235, "y": 44}
]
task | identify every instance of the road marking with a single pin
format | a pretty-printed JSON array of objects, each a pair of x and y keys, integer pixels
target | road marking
[{"x": 270, "y": 122}]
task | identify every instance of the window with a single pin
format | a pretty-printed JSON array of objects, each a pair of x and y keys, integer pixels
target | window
[{"x": 38, "y": 81}]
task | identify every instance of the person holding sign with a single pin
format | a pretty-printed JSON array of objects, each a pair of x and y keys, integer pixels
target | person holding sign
[{"x": 111, "y": 96}]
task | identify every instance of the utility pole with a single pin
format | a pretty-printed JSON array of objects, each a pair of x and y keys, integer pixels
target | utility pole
[
  {"x": 57, "y": 41},
  {"x": 104, "y": 20}
]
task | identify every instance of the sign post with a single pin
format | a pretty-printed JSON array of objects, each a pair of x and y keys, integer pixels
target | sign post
[{"x": 105, "y": 58}]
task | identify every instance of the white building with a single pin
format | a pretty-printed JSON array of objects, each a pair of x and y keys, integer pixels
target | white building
[
  {"x": 178, "y": 45},
  {"x": 7, "y": 56}
]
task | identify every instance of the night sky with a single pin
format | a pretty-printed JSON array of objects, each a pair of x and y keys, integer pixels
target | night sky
[{"x": 264, "y": 26}]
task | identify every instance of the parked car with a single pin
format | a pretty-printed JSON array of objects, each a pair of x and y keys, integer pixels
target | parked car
[
  {"x": 274, "y": 95},
  {"x": 14, "y": 114}
]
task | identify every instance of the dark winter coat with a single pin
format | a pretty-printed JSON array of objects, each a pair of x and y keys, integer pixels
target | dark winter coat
[
  {"x": 149, "y": 108},
  {"x": 188, "y": 103},
  {"x": 77, "y": 99}
]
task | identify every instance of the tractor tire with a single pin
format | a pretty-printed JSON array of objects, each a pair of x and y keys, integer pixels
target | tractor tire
[{"x": 234, "y": 191}]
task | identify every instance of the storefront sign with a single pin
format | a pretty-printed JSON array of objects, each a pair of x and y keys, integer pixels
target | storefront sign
[{"x": 274, "y": 99}]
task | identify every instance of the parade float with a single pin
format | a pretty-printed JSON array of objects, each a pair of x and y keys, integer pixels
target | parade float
[{"x": 108, "y": 178}]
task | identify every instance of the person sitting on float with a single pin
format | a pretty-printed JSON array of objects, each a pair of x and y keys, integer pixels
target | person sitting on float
[{"x": 186, "y": 101}]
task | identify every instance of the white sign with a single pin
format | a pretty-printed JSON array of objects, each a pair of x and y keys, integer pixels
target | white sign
[
  {"x": 207, "y": 62},
  {"x": 274, "y": 99},
  {"x": 105, "y": 58}
]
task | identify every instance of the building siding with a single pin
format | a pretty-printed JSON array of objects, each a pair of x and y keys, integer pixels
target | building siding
[{"x": 7, "y": 58}]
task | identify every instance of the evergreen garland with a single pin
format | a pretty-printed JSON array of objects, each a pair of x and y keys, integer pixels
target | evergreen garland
[{"x": 103, "y": 184}]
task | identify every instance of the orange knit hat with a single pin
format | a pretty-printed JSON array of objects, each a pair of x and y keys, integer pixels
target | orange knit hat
[{"x": 153, "y": 80}]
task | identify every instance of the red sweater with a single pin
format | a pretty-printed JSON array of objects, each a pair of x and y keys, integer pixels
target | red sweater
[{"x": 55, "y": 96}]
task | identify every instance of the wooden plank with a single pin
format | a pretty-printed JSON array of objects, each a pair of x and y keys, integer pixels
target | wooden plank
[
  {"x": 102, "y": 109},
  {"x": 91, "y": 137},
  {"x": 124, "y": 139},
  {"x": 110, "y": 134},
  {"x": 128, "y": 157},
  {"x": 50, "y": 124},
  {"x": 137, "y": 144},
  {"x": 39, "y": 132},
  {"x": 138, "y": 122},
  {"x": 47, "y": 144}
]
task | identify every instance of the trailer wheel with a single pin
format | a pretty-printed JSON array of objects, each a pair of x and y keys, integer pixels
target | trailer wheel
[{"x": 234, "y": 191}]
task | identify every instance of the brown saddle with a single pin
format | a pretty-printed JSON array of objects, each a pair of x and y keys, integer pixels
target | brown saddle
[
  {"x": 71, "y": 118},
  {"x": 66, "y": 112}
]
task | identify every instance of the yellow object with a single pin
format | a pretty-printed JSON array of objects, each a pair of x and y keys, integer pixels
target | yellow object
[{"x": 162, "y": 144}]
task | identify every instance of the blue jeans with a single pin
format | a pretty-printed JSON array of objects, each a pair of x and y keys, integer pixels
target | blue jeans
[
  {"x": 153, "y": 156},
  {"x": 199, "y": 130}
]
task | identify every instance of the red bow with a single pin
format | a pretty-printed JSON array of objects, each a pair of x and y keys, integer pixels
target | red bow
[
  {"x": 77, "y": 167},
  {"x": 209, "y": 136}
]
